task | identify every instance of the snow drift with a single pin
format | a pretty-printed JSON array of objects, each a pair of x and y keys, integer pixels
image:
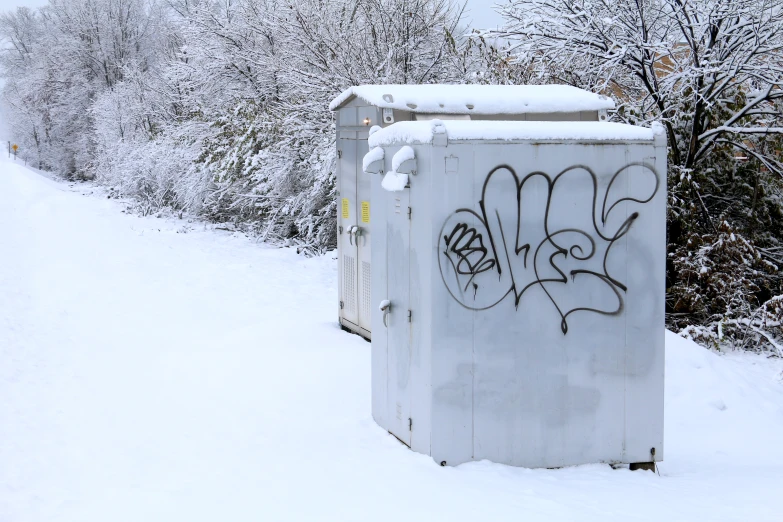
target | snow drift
[{"x": 157, "y": 370}]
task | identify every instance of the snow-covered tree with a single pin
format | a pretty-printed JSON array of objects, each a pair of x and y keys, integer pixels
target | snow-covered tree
[
  {"x": 27, "y": 105},
  {"x": 214, "y": 107},
  {"x": 712, "y": 72},
  {"x": 59, "y": 60},
  {"x": 273, "y": 67}
]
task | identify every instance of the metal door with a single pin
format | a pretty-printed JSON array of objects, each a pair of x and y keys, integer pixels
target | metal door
[
  {"x": 362, "y": 240},
  {"x": 346, "y": 230},
  {"x": 399, "y": 319}
]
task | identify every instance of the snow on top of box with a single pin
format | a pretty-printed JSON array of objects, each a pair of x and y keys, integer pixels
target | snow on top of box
[
  {"x": 394, "y": 182},
  {"x": 408, "y": 132},
  {"x": 404, "y": 154},
  {"x": 375, "y": 154},
  {"x": 476, "y": 99}
]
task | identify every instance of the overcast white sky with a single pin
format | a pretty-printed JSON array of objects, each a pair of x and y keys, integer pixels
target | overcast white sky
[
  {"x": 12, "y": 4},
  {"x": 480, "y": 10}
]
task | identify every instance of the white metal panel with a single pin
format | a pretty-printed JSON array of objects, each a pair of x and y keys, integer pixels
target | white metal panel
[
  {"x": 347, "y": 117},
  {"x": 421, "y": 277},
  {"x": 399, "y": 326},
  {"x": 347, "y": 219},
  {"x": 367, "y": 116},
  {"x": 550, "y": 347},
  {"x": 451, "y": 174},
  {"x": 557, "y": 411},
  {"x": 379, "y": 290},
  {"x": 645, "y": 279},
  {"x": 364, "y": 241}
]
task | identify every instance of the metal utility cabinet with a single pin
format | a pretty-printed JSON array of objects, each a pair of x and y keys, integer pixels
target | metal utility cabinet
[
  {"x": 518, "y": 280},
  {"x": 361, "y": 108}
]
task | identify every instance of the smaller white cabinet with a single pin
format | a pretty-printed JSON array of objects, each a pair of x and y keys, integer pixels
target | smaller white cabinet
[{"x": 360, "y": 108}]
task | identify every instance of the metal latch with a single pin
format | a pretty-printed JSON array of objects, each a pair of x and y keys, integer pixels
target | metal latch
[{"x": 410, "y": 316}]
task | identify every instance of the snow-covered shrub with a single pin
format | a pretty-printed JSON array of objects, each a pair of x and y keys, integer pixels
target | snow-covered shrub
[
  {"x": 723, "y": 291},
  {"x": 218, "y": 108}
]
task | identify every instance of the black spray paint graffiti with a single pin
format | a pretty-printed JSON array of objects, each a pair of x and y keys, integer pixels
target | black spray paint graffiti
[{"x": 536, "y": 231}]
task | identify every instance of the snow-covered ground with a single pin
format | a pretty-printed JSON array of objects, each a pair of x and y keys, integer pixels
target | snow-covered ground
[{"x": 155, "y": 370}]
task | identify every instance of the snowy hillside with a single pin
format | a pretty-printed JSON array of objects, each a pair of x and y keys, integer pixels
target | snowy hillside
[{"x": 153, "y": 370}]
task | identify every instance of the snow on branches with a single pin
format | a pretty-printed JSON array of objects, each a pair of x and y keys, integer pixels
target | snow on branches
[
  {"x": 711, "y": 71},
  {"x": 212, "y": 107}
]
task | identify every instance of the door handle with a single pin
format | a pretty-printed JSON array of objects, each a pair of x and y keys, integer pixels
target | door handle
[
  {"x": 354, "y": 232},
  {"x": 385, "y": 307}
]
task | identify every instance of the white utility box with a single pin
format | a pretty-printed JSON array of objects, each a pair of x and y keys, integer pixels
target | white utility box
[
  {"x": 361, "y": 108},
  {"x": 518, "y": 279}
]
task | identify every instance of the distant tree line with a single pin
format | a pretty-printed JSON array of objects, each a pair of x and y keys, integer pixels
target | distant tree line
[{"x": 219, "y": 109}]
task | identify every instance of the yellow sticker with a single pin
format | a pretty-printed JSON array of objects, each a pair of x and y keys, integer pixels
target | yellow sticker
[
  {"x": 365, "y": 211},
  {"x": 346, "y": 208}
]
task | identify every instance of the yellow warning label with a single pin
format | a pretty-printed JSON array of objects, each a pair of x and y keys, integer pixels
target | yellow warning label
[
  {"x": 365, "y": 211},
  {"x": 346, "y": 208}
]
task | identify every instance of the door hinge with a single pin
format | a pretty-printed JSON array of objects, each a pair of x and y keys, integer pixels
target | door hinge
[
  {"x": 341, "y": 305},
  {"x": 410, "y": 316},
  {"x": 339, "y": 154},
  {"x": 410, "y": 424},
  {"x": 409, "y": 212}
]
